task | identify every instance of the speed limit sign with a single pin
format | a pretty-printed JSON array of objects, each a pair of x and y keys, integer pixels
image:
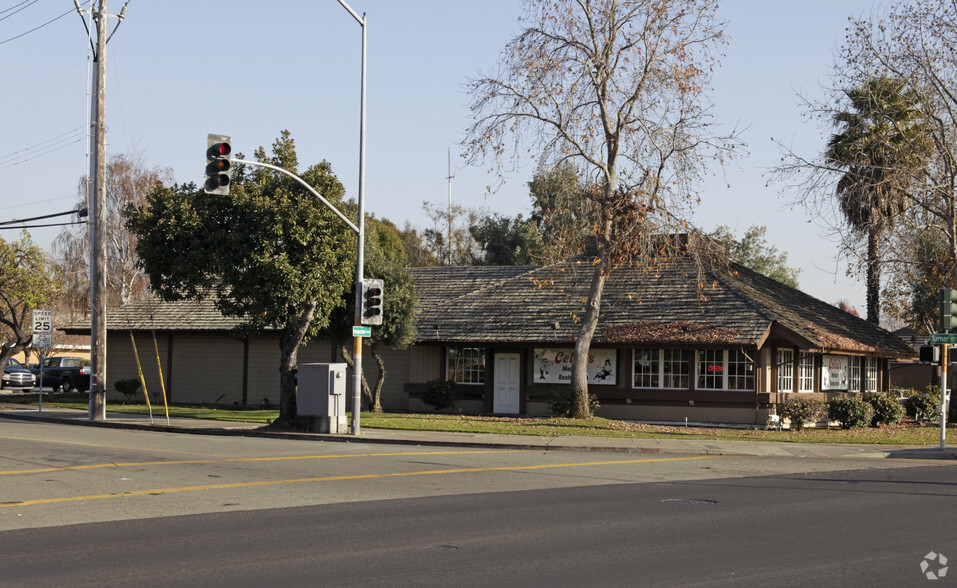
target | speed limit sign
[{"x": 43, "y": 322}]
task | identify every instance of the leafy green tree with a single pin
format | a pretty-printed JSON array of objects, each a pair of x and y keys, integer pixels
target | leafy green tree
[
  {"x": 448, "y": 239},
  {"x": 754, "y": 252},
  {"x": 507, "y": 241},
  {"x": 269, "y": 252},
  {"x": 564, "y": 217},
  {"x": 413, "y": 242},
  {"x": 26, "y": 283},
  {"x": 881, "y": 141},
  {"x": 385, "y": 258}
]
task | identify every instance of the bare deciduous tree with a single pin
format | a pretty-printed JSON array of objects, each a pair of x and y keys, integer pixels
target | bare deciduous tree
[
  {"x": 618, "y": 88},
  {"x": 913, "y": 43},
  {"x": 128, "y": 180}
]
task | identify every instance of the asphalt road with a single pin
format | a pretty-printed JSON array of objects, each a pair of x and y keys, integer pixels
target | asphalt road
[{"x": 89, "y": 506}]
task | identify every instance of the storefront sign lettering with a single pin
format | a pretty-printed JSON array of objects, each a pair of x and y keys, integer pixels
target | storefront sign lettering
[{"x": 554, "y": 366}]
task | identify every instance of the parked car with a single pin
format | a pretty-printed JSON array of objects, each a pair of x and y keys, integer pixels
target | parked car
[
  {"x": 66, "y": 373},
  {"x": 17, "y": 377}
]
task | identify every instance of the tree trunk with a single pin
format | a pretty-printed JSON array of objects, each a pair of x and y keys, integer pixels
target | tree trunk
[
  {"x": 376, "y": 404},
  {"x": 289, "y": 343},
  {"x": 580, "y": 405},
  {"x": 873, "y": 278}
]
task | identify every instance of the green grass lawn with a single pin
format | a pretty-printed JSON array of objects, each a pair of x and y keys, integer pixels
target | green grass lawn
[{"x": 904, "y": 434}]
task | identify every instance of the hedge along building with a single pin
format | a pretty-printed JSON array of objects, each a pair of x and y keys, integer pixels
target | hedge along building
[{"x": 715, "y": 344}]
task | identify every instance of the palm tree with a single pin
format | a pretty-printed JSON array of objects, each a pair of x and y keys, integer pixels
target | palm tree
[{"x": 880, "y": 148}]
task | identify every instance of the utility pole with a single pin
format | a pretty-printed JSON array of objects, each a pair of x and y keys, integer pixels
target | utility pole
[{"x": 97, "y": 206}]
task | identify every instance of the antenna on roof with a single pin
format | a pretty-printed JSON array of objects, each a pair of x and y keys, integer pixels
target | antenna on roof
[{"x": 451, "y": 179}]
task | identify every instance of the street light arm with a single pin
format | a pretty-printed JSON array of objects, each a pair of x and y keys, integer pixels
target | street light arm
[
  {"x": 361, "y": 20},
  {"x": 308, "y": 187}
]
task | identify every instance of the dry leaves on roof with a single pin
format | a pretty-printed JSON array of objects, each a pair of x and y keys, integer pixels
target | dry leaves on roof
[{"x": 673, "y": 332}]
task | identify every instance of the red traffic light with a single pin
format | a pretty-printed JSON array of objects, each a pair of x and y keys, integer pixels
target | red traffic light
[
  {"x": 218, "y": 164},
  {"x": 219, "y": 150}
]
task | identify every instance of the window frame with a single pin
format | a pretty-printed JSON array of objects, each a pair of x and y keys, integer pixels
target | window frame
[
  {"x": 805, "y": 372},
  {"x": 871, "y": 372},
  {"x": 702, "y": 358},
  {"x": 663, "y": 376},
  {"x": 854, "y": 374},
  {"x": 785, "y": 369},
  {"x": 477, "y": 363}
]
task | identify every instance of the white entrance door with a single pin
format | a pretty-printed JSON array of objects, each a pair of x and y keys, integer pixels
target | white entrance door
[{"x": 505, "y": 394}]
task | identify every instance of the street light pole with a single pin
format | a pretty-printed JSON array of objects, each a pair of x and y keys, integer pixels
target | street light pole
[{"x": 360, "y": 257}]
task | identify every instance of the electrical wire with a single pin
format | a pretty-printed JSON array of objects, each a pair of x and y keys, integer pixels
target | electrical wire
[
  {"x": 43, "y": 148},
  {"x": 36, "y": 28},
  {"x": 16, "y": 5},
  {"x": 81, "y": 212},
  {"x": 35, "y": 202},
  {"x": 2, "y": 228},
  {"x": 27, "y": 2}
]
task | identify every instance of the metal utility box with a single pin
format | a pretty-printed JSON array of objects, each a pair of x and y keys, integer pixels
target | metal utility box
[{"x": 321, "y": 398}]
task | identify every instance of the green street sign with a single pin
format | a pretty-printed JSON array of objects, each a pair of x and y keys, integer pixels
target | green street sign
[
  {"x": 361, "y": 331},
  {"x": 943, "y": 339}
]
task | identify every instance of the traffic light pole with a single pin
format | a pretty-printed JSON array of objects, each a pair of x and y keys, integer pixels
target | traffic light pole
[
  {"x": 943, "y": 396},
  {"x": 360, "y": 259}
]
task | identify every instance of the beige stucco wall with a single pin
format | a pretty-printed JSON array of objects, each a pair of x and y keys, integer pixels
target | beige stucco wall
[
  {"x": 425, "y": 363},
  {"x": 121, "y": 363}
]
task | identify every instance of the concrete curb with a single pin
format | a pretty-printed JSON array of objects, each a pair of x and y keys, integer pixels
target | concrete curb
[{"x": 493, "y": 441}]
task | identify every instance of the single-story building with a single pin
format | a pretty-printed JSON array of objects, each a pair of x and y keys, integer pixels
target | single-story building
[{"x": 674, "y": 341}]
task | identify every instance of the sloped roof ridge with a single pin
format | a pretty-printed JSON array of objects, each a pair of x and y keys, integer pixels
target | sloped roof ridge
[
  {"x": 760, "y": 308},
  {"x": 500, "y": 282}
]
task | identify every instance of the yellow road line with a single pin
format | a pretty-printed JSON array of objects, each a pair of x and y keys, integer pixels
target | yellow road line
[
  {"x": 341, "y": 478},
  {"x": 243, "y": 459},
  {"x": 106, "y": 445}
]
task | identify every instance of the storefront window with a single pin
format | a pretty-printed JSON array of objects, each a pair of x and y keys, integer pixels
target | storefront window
[
  {"x": 676, "y": 367},
  {"x": 466, "y": 365},
  {"x": 854, "y": 375},
  {"x": 711, "y": 369},
  {"x": 647, "y": 368},
  {"x": 662, "y": 368},
  {"x": 806, "y": 373},
  {"x": 870, "y": 374},
  {"x": 740, "y": 371},
  {"x": 785, "y": 370}
]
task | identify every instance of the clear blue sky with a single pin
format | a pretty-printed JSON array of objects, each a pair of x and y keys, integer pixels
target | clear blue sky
[{"x": 178, "y": 70}]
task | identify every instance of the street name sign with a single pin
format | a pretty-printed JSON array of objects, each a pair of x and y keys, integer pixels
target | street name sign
[
  {"x": 361, "y": 331},
  {"x": 943, "y": 339}
]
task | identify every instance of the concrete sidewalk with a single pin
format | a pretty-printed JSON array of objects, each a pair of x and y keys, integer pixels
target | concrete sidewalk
[{"x": 480, "y": 440}]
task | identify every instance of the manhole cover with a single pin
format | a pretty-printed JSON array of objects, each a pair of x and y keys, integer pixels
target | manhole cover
[{"x": 689, "y": 501}]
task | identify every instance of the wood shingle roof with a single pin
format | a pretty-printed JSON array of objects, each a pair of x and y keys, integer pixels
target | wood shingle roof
[{"x": 674, "y": 303}]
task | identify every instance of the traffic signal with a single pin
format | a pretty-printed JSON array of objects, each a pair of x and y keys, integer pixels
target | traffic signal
[
  {"x": 218, "y": 164},
  {"x": 929, "y": 354},
  {"x": 948, "y": 309},
  {"x": 371, "y": 302}
]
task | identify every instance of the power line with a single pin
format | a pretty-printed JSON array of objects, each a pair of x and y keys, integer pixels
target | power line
[
  {"x": 44, "y": 148},
  {"x": 35, "y": 202},
  {"x": 27, "y": 2},
  {"x": 82, "y": 222},
  {"x": 52, "y": 20},
  {"x": 81, "y": 211},
  {"x": 59, "y": 137}
]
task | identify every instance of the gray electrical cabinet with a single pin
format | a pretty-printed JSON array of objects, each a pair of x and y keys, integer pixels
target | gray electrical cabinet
[{"x": 321, "y": 398}]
